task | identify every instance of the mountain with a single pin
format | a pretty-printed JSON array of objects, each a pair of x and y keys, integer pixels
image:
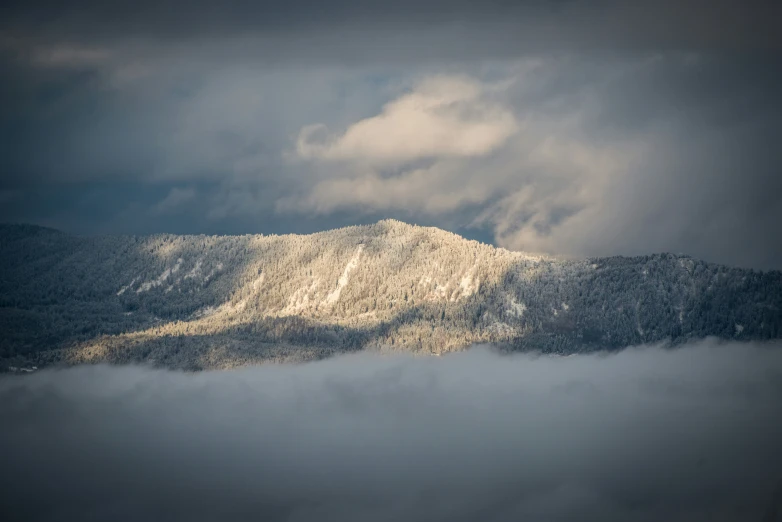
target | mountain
[{"x": 197, "y": 302}]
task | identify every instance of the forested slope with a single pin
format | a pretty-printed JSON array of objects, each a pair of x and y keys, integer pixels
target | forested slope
[{"x": 221, "y": 301}]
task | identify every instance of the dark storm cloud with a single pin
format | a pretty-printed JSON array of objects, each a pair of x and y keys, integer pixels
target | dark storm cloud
[
  {"x": 645, "y": 434},
  {"x": 498, "y": 26},
  {"x": 64, "y": 125}
]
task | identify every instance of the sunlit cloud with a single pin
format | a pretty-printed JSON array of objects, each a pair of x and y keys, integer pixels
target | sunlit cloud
[{"x": 442, "y": 117}]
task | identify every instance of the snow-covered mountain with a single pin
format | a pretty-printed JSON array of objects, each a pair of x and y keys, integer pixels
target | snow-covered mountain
[{"x": 221, "y": 301}]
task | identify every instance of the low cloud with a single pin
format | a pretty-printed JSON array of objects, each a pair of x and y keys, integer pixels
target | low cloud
[{"x": 646, "y": 434}]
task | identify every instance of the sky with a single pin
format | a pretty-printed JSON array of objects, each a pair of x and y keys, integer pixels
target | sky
[
  {"x": 573, "y": 127},
  {"x": 641, "y": 435}
]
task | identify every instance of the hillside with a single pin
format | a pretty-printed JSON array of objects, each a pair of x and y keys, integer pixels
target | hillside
[{"x": 199, "y": 302}]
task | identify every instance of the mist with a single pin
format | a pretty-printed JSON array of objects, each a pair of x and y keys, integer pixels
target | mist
[{"x": 648, "y": 433}]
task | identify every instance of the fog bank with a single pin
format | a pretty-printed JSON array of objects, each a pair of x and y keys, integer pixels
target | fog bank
[{"x": 645, "y": 434}]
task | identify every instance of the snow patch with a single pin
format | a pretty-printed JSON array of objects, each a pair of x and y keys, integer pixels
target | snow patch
[
  {"x": 638, "y": 319},
  {"x": 468, "y": 285},
  {"x": 333, "y": 297},
  {"x": 517, "y": 309},
  {"x": 223, "y": 309},
  {"x": 438, "y": 292},
  {"x": 259, "y": 281},
  {"x": 127, "y": 286},
  {"x": 300, "y": 299},
  {"x": 502, "y": 329},
  {"x": 211, "y": 274},
  {"x": 196, "y": 271},
  {"x": 148, "y": 285}
]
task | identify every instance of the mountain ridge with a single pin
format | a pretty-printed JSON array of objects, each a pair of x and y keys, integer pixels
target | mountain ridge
[{"x": 199, "y": 301}]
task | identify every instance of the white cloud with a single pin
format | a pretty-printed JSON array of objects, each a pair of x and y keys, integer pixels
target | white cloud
[
  {"x": 441, "y": 187},
  {"x": 415, "y": 155},
  {"x": 444, "y": 116},
  {"x": 557, "y": 207}
]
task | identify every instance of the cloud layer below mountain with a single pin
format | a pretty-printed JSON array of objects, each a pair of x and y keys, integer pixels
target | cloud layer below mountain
[{"x": 645, "y": 434}]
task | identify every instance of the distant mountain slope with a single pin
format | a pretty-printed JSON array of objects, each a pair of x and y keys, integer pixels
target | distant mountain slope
[{"x": 220, "y": 301}]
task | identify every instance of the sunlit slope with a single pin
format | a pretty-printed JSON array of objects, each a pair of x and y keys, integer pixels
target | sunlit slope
[{"x": 217, "y": 301}]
